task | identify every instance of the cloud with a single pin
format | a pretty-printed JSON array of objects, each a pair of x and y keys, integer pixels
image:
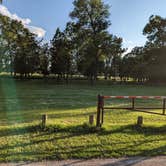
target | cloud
[
  {"x": 40, "y": 32},
  {"x": 5, "y": 11},
  {"x": 129, "y": 45},
  {"x": 36, "y": 30},
  {"x": 129, "y": 49},
  {"x": 128, "y": 42}
]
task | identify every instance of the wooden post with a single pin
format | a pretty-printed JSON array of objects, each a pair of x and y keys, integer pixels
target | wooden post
[
  {"x": 133, "y": 103},
  {"x": 44, "y": 121},
  {"x": 102, "y": 116},
  {"x": 98, "y": 112},
  {"x": 102, "y": 109},
  {"x": 163, "y": 106},
  {"x": 140, "y": 121},
  {"x": 91, "y": 119}
]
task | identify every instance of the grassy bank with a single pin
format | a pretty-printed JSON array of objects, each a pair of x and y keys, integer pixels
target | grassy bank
[{"x": 66, "y": 135}]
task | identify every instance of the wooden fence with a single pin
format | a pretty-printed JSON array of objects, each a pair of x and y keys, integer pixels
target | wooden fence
[{"x": 101, "y": 106}]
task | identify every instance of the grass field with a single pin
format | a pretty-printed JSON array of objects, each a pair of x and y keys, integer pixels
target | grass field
[{"x": 67, "y": 136}]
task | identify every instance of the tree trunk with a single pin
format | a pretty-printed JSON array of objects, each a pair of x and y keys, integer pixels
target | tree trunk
[
  {"x": 105, "y": 75},
  {"x": 92, "y": 80},
  {"x": 67, "y": 78}
]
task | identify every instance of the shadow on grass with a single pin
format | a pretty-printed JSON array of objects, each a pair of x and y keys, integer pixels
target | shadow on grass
[
  {"x": 134, "y": 129},
  {"x": 83, "y": 129},
  {"x": 79, "y": 129},
  {"x": 25, "y": 118},
  {"x": 66, "y": 132},
  {"x": 91, "y": 150},
  {"x": 19, "y": 130}
]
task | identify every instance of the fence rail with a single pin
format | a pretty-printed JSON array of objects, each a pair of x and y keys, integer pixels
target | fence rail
[
  {"x": 134, "y": 97},
  {"x": 101, "y": 106}
]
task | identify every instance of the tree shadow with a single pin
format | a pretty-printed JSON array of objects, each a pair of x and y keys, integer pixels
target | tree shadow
[
  {"x": 19, "y": 130},
  {"x": 135, "y": 129},
  {"x": 83, "y": 129},
  {"x": 93, "y": 150},
  {"x": 79, "y": 129},
  {"x": 66, "y": 132},
  {"x": 26, "y": 116}
]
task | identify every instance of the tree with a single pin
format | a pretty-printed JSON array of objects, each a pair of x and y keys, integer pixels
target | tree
[
  {"x": 155, "y": 30},
  {"x": 21, "y": 55},
  {"x": 44, "y": 60},
  {"x": 156, "y": 59},
  {"x": 134, "y": 65},
  {"x": 3, "y": 58},
  {"x": 61, "y": 55},
  {"x": 112, "y": 49},
  {"x": 8, "y": 36},
  {"x": 26, "y": 60},
  {"x": 90, "y": 17}
]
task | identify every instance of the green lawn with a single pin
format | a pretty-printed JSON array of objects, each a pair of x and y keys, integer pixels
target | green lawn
[{"x": 67, "y": 136}]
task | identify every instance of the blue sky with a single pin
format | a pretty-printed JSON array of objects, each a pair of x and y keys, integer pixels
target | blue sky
[{"x": 128, "y": 17}]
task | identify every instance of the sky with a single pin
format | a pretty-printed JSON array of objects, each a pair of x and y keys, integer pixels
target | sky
[{"x": 128, "y": 17}]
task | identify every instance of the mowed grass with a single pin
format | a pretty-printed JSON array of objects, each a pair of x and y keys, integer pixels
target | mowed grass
[{"x": 67, "y": 135}]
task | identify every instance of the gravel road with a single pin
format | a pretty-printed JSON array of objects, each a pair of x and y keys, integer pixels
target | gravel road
[{"x": 132, "y": 161}]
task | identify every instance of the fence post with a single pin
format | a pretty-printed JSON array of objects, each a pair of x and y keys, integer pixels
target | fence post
[
  {"x": 163, "y": 106},
  {"x": 91, "y": 119},
  {"x": 133, "y": 103},
  {"x": 140, "y": 121},
  {"x": 98, "y": 111},
  {"x": 44, "y": 120},
  {"x": 102, "y": 109}
]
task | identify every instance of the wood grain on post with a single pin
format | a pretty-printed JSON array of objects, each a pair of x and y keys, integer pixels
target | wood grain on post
[
  {"x": 91, "y": 119},
  {"x": 140, "y": 121},
  {"x": 44, "y": 120},
  {"x": 133, "y": 103},
  {"x": 164, "y": 106},
  {"x": 98, "y": 120}
]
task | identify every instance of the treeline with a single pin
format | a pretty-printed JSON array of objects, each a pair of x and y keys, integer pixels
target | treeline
[
  {"x": 84, "y": 47},
  {"x": 147, "y": 63}
]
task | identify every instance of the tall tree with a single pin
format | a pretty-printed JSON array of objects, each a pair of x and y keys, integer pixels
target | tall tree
[
  {"x": 155, "y": 30},
  {"x": 91, "y": 19},
  {"x": 156, "y": 60},
  {"x": 44, "y": 60},
  {"x": 3, "y": 55},
  {"x": 134, "y": 66},
  {"x": 112, "y": 49},
  {"x": 61, "y": 57},
  {"x": 22, "y": 48},
  {"x": 26, "y": 60}
]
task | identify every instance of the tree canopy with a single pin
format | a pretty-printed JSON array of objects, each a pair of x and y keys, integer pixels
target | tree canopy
[
  {"x": 147, "y": 63},
  {"x": 90, "y": 20},
  {"x": 155, "y": 30},
  {"x": 19, "y": 49},
  {"x": 85, "y": 47}
]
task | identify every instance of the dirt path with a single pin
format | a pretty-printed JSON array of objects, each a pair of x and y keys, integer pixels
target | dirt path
[{"x": 133, "y": 161}]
